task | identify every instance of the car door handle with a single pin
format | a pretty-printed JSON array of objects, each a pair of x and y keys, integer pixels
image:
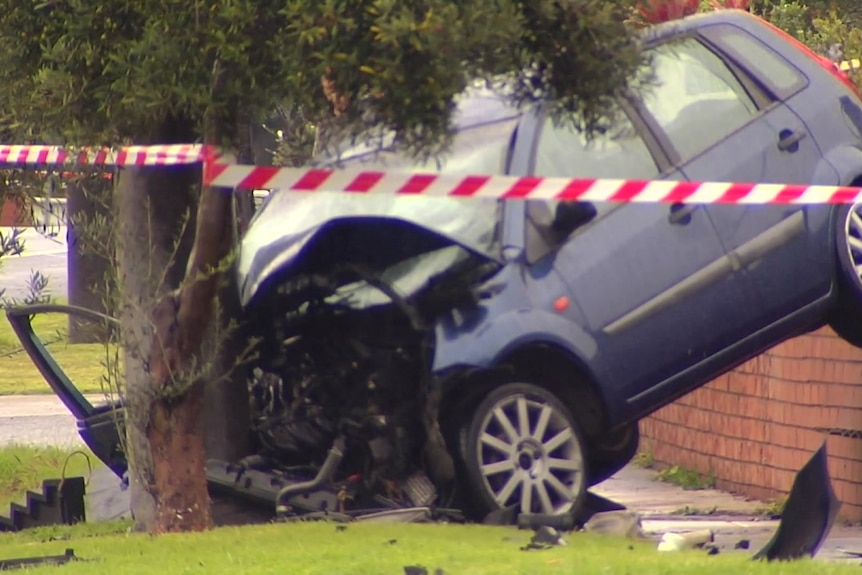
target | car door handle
[
  {"x": 680, "y": 214},
  {"x": 787, "y": 139}
]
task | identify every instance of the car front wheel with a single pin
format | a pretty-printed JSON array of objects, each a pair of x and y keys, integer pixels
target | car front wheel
[{"x": 523, "y": 448}]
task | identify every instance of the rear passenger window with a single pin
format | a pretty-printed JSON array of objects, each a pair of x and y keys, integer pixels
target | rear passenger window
[
  {"x": 696, "y": 101},
  {"x": 777, "y": 74}
]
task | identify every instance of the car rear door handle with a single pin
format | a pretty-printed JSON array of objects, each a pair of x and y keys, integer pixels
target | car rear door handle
[
  {"x": 680, "y": 214},
  {"x": 788, "y": 140}
]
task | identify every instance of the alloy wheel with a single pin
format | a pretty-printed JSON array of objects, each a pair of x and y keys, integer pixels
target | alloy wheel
[
  {"x": 530, "y": 455},
  {"x": 853, "y": 237}
]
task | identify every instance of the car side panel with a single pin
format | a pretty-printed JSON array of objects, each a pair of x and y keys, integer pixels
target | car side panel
[
  {"x": 847, "y": 161},
  {"x": 523, "y": 308}
]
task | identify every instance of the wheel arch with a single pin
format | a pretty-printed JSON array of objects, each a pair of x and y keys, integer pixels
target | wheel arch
[{"x": 540, "y": 362}]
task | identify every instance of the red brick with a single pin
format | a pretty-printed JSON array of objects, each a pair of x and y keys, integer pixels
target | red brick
[
  {"x": 847, "y": 491},
  {"x": 817, "y": 347},
  {"x": 846, "y": 470},
  {"x": 721, "y": 383},
  {"x": 851, "y": 512},
  {"x": 780, "y": 480},
  {"x": 744, "y": 383},
  {"x": 845, "y": 448},
  {"x": 753, "y": 406},
  {"x": 786, "y": 458}
]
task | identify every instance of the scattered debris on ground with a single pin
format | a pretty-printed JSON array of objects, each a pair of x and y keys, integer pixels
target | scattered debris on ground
[
  {"x": 809, "y": 513},
  {"x": 24, "y": 562},
  {"x": 621, "y": 523},
  {"x": 420, "y": 570},
  {"x": 685, "y": 541},
  {"x": 545, "y": 538}
]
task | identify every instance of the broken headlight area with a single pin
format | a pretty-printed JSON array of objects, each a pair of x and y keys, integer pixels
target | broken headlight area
[{"x": 344, "y": 406}]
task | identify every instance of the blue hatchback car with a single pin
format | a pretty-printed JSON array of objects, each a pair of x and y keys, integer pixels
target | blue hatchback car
[{"x": 504, "y": 351}]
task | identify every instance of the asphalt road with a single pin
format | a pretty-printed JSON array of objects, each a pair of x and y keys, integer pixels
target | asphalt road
[
  {"x": 41, "y": 253},
  {"x": 36, "y": 420}
]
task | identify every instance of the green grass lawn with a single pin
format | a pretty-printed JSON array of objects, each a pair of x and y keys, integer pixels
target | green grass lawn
[
  {"x": 83, "y": 363},
  {"x": 372, "y": 550},
  {"x": 23, "y": 468},
  {"x": 327, "y": 549}
]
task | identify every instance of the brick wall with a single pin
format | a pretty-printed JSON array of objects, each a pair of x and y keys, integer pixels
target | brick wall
[
  {"x": 756, "y": 426},
  {"x": 11, "y": 214}
]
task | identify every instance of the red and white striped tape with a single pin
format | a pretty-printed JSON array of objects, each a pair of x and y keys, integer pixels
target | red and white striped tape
[
  {"x": 509, "y": 187},
  {"x": 167, "y": 155},
  {"x": 219, "y": 172}
]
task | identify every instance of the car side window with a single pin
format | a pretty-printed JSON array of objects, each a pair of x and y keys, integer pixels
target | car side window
[
  {"x": 563, "y": 152},
  {"x": 779, "y": 75},
  {"x": 618, "y": 152},
  {"x": 695, "y": 99}
]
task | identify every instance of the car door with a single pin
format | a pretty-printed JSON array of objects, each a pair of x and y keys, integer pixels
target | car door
[
  {"x": 652, "y": 287},
  {"x": 794, "y": 272},
  {"x": 45, "y": 334},
  {"x": 719, "y": 125}
]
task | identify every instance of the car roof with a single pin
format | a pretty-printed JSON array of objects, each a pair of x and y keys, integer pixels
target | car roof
[{"x": 481, "y": 104}]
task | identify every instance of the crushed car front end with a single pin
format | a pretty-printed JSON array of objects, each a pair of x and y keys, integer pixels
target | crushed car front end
[{"x": 344, "y": 295}]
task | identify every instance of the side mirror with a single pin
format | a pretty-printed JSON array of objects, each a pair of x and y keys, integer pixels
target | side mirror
[{"x": 569, "y": 216}]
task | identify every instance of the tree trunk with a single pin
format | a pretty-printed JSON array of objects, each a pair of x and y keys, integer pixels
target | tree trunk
[
  {"x": 226, "y": 399},
  {"x": 182, "y": 321},
  {"x": 152, "y": 250},
  {"x": 88, "y": 203}
]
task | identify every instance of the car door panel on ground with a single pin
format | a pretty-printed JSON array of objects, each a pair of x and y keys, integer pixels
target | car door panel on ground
[
  {"x": 721, "y": 127},
  {"x": 636, "y": 269}
]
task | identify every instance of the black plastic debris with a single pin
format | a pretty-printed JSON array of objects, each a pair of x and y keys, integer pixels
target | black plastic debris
[
  {"x": 504, "y": 516},
  {"x": 616, "y": 523},
  {"x": 561, "y": 522},
  {"x": 9, "y": 564},
  {"x": 420, "y": 570},
  {"x": 742, "y": 544},
  {"x": 545, "y": 538},
  {"x": 407, "y": 515},
  {"x": 595, "y": 504},
  {"x": 711, "y": 550},
  {"x": 809, "y": 514}
]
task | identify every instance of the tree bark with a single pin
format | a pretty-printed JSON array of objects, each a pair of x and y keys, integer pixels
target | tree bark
[
  {"x": 181, "y": 322},
  {"x": 152, "y": 250},
  {"x": 226, "y": 399}
]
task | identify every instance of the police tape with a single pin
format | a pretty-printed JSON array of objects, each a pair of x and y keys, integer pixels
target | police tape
[
  {"x": 513, "y": 187},
  {"x": 218, "y": 172},
  {"x": 161, "y": 155}
]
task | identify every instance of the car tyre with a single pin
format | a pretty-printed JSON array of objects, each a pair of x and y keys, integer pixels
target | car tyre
[
  {"x": 613, "y": 452},
  {"x": 846, "y": 318},
  {"x": 522, "y": 447}
]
